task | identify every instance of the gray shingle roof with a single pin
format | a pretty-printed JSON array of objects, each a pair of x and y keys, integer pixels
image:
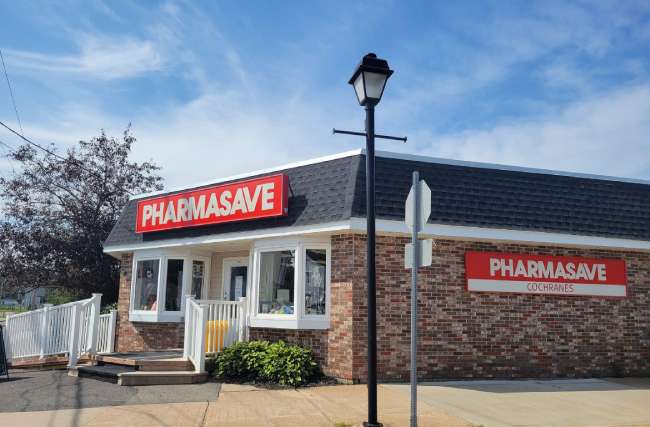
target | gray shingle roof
[{"x": 472, "y": 195}]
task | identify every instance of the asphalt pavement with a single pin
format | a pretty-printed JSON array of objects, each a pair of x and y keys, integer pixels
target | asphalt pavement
[{"x": 36, "y": 390}]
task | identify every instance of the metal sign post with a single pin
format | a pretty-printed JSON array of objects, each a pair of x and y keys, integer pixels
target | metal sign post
[{"x": 416, "y": 254}]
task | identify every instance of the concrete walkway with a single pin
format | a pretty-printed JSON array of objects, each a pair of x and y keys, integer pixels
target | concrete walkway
[
  {"x": 587, "y": 402},
  {"x": 450, "y": 404},
  {"x": 243, "y": 406}
]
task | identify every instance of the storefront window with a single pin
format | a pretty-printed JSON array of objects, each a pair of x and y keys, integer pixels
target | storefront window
[
  {"x": 315, "y": 281},
  {"x": 276, "y": 290},
  {"x": 146, "y": 285},
  {"x": 198, "y": 273},
  {"x": 174, "y": 285}
]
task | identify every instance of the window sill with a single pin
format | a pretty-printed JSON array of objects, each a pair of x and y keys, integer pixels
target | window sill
[
  {"x": 153, "y": 317},
  {"x": 290, "y": 323}
]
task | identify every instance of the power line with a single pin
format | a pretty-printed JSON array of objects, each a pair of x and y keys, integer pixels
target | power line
[
  {"x": 10, "y": 148},
  {"x": 11, "y": 92},
  {"x": 52, "y": 153}
]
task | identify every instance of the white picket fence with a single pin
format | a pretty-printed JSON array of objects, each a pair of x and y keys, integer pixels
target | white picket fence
[
  {"x": 212, "y": 325},
  {"x": 73, "y": 329}
]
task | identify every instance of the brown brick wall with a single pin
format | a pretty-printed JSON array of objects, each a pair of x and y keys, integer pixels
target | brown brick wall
[
  {"x": 461, "y": 334},
  {"x": 139, "y": 336},
  {"x": 487, "y": 335}
]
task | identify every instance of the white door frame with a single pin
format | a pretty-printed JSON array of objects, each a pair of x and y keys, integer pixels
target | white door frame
[{"x": 228, "y": 263}]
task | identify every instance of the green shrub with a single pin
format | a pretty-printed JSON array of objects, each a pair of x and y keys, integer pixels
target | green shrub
[
  {"x": 242, "y": 360},
  {"x": 289, "y": 365}
]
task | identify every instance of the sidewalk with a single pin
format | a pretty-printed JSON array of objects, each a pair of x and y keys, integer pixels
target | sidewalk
[{"x": 248, "y": 406}]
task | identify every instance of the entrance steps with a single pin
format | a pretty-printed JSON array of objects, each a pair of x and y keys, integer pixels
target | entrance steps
[{"x": 147, "y": 368}]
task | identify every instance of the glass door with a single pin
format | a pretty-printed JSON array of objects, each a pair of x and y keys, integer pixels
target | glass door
[{"x": 235, "y": 275}]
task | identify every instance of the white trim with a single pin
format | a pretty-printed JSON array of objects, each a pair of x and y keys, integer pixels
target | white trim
[
  {"x": 358, "y": 225},
  {"x": 502, "y": 234},
  {"x": 481, "y": 165},
  {"x": 329, "y": 227},
  {"x": 226, "y": 264},
  {"x": 163, "y": 256},
  {"x": 253, "y": 173},
  {"x": 297, "y": 320},
  {"x": 291, "y": 323}
]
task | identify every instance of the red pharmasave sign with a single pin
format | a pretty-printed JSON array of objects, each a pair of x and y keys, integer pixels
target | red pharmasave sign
[
  {"x": 238, "y": 201},
  {"x": 543, "y": 274}
]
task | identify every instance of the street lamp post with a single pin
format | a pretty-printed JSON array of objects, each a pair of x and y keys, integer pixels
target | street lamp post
[{"x": 369, "y": 81}]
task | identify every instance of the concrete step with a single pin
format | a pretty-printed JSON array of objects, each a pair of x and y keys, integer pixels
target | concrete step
[
  {"x": 160, "y": 378},
  {"x": 108, "y": 373}
]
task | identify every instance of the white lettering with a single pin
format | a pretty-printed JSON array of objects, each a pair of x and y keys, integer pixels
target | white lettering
[
  {"x": 267, "y": 196},
  {"x": 196, "y": 210},
  {"x": 225, "y": 202},
  {"x": 602, "y": 272},
  {"x": 213, "y": 207},
  {"x": 521, "y": 269},
  {"x": 170, "y": 215},
  {"x": 238, "y": 203},
  {"x": 146, "y": 214},
  {"x": 181, "y": 209},
  {"x": 157, "y": 214},
  {"x": 252, "y": 203},
  {"x": 495, "y": 263}
]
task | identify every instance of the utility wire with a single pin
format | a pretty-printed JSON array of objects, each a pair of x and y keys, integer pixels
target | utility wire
[
  {"x": 11, "y": 92},
  {"x": 52, "y": 153},
  {"x": 10, "y": 150}
]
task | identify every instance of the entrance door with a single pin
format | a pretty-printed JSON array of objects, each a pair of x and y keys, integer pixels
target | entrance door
[{"x": 235, "y": 273}]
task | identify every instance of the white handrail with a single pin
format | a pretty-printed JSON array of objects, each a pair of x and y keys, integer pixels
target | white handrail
[
  {"x": 212, "y": 325},
  {"x": 196, "y": 317},
  {"x": 70, "y": 328}
]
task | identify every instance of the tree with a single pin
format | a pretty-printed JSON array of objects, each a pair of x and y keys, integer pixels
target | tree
[{"x": 58, "y": 210}]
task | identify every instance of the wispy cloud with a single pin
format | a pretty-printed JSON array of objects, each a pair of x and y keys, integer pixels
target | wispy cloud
[
  {"x": 99, "y": 57},
  {"x": 606, "y": 134}
]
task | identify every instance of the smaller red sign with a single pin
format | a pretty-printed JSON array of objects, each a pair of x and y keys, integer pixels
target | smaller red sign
[
  {"x": 543, "y": 274},
  {"x": 237, "y": 201}
]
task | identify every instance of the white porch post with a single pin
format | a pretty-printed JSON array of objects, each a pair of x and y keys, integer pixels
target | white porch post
[
  {"x": 93, "y": 326},
  {"x": 44, "y": 327},
  {"x": 112, "y": 326},
  {"x": 243, "y": 320},
  {"x": 6, "y": 331},
  {"x": 200, "y": 339},
  {"x": 187, "y": 342},
  {"x": 73, "y": 355}
]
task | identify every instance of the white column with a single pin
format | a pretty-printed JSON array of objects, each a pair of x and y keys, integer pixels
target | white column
[
  {"x": 112, "y": 327},
  {"x": 200, "y": 339},
  {"x": 243, "y": 320},
  {"x": 73, "y": 355},
  {"x": 93, "y": 326},
  {"x": 188, "y": 327},
  {"x": 44, "y": 329},
  {"x": 6, "y": 331}
]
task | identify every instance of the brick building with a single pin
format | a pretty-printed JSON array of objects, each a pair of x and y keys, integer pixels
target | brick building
[{"x": 535, "y": 273}]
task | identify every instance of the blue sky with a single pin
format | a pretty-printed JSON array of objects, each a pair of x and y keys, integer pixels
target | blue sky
[{"x": 218, "y": 88}]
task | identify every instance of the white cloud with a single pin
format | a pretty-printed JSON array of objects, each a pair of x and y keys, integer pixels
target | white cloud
[
  {"x": 102, "y": 58},
  {"x": 607, "y": 134}
]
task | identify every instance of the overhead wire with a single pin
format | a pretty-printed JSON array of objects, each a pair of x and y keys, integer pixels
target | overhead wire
[
  {"x": 11, "y": 92},
  {"x": 52, "y": 153}
]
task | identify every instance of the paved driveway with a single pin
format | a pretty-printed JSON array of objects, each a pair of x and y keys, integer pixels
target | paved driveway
[
  {"x": 588, "y": 402},
  {"x": 34, "y": 390}
]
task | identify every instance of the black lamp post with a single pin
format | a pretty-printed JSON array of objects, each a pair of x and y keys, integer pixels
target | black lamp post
[{"x": 369, "y": 81}]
